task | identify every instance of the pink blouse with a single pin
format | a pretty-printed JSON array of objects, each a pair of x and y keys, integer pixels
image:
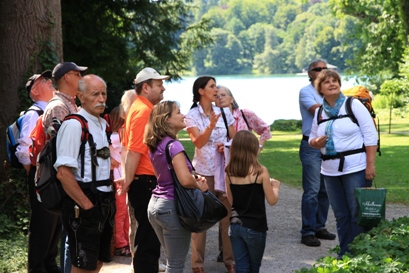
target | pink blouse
[{"x": 255, "y": 123}]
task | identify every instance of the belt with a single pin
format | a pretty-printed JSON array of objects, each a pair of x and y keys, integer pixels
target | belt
[
  {"x": 142, "y": 176},
  {"x": 341, "y": 156},
  {"x": 304, "y": 137}
]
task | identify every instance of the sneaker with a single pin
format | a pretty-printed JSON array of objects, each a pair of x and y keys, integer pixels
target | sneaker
[
  {"x": 162, "y": 267},
  {"x": 220, "y": 257},
  {"x": 310, "y": 240},
  {"x": 123, "y": 251},
  {"x": 325, "y": 235}
]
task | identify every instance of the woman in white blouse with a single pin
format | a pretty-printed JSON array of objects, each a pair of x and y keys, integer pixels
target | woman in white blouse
[
  {"x": 208, "y": 130},
  {"x": 348, "y": 152}
]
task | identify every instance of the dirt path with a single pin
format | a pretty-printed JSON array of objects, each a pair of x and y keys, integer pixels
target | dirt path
[{"x": 284, "y": 253}]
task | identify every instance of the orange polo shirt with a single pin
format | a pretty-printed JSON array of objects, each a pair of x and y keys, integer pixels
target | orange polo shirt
[{"x": 136, "y": 121}]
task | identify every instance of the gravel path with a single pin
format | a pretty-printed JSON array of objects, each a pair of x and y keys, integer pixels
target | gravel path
[{"x": 284, "y": 253}]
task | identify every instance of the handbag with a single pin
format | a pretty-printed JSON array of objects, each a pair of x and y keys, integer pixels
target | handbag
[
  {"x": 197, "y": 211},
  {"x": 371, "y": 206}
]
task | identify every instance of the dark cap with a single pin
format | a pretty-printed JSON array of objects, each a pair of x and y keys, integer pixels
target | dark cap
[
  {"x": 62, "y": 68},
  {"x": 32, "y": 79}
]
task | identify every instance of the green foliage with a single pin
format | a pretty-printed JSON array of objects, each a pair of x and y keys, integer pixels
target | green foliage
[
  {"x": 380, "y": 35},
  {"x": 286, "y": 125},
  {"x": 383, "y": 249},
  {"x": 14, "y": 196},
  {"x": 13, "y": 252},
  {"x": 116, "y": 39},
  {"x": 385, "y": 101}
]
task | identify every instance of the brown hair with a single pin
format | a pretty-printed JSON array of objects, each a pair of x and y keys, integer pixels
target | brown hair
[
  {"x": 157, "y": 127},
  {"x": 200, "y": 82},
  {"x": 244, "y": 155},
  {"x": 115, "y": 119},
  {"x": 324, "y": 75},
  {"x": 138, "y": 87}
]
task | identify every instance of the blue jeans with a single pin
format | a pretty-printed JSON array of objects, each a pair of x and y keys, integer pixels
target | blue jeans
[
  {"x": 172, "y": 236},
  {"x": 314, "y": 203},
  {"x": 248, "y": 248},
  {"x": 345, "y": 206}
]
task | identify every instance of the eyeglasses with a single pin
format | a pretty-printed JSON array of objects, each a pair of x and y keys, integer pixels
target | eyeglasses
[{"x": 318, "y": 69}]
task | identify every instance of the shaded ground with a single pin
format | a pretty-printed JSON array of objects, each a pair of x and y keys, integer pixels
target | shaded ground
[{"x": 284, "y": 253}]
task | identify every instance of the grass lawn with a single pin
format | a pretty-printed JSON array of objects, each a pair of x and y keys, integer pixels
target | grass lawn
[{"x": 280, "y": 156}]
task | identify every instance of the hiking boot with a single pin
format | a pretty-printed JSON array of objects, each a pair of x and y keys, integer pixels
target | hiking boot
[
  {"x": 325, "y": 235},
  {"x": 310, "y": 240}
]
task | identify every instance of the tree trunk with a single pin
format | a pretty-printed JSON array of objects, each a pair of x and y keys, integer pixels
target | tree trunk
[
  {"x": 26, "y": 29},
  {"x": 405, "y": 17}
]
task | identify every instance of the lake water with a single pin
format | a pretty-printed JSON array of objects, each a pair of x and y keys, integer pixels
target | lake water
[{"x": 270, "y": 97}]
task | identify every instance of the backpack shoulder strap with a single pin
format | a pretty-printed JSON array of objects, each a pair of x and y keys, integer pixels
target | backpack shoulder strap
[
  {"x": 319, "y": 120},
  {"x": 245, "y": 119},
  {"x": 225, "y": 122},
  {"x": 169, "y": 159},
  {"x": 35, "y": 108},
  {"x": 85, "y": 136},
  {"x": 348, "y": 109}
]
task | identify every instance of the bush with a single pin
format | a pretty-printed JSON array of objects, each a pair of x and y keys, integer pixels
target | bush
[
  {"x": 286, "y": 125},
  {"x": 15, "y": 200},
  {"x": 13, "y": 254},
  {"x": 381, "y": 250}
]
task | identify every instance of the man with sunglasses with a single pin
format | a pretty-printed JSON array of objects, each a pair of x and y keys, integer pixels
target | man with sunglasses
[
  {"x": 315, "y": 203},
  {"x": 42, "y": 249},
  {"x": 66, "y": 76}
]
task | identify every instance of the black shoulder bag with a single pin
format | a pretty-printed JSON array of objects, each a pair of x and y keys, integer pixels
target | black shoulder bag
[{"x": 197, "y": 210}]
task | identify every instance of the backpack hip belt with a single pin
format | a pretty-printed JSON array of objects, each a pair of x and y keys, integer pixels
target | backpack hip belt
[{"x": 341, "y": 156}]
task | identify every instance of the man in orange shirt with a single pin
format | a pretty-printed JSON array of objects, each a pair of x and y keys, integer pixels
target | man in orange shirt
[{"x": 140, "y": 178}]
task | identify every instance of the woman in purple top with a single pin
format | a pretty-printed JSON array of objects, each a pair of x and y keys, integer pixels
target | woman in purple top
[{"x": 165, "y": 122}]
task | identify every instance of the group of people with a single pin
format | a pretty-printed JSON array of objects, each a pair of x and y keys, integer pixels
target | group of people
[
  {"x": 337, "y": 155},
  {"x": 225, "y": 162}
]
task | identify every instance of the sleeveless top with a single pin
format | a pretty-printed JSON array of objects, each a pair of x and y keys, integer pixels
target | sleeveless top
[{"x": 249, "y": 209}]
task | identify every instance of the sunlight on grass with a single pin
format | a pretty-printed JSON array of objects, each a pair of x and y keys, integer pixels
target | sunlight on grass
[{"x": 280, "y": 156}]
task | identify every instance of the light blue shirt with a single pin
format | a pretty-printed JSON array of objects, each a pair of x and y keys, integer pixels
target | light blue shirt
[
  {"x": 308, "y": 97},
  {"x": 27, "y": 125}
]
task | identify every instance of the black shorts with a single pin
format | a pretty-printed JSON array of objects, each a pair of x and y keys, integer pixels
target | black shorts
[{"x": 89, "y": 235}]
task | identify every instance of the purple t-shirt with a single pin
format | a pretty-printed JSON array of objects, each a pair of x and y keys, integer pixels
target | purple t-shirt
[{"x": 165, "y": 189}]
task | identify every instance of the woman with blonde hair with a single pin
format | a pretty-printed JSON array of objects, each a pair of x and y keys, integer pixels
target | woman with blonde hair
[
  {"x": 248, "y": 185},
  {"x": 165, "y": 122}
]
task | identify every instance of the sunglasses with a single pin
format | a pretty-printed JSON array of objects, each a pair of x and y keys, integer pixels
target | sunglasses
[{"x": 318, "y": 69}]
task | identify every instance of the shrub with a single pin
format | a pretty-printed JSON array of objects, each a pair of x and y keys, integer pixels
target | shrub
[
  {"x": 286, "y": 125},
  {"x": 381, "y": 250},
  {"x": 13, "y": 254}
]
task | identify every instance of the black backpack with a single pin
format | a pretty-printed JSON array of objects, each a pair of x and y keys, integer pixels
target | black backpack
[
  {"x": 13, "y": 134},
  {"x": 48, "y": 188}
]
